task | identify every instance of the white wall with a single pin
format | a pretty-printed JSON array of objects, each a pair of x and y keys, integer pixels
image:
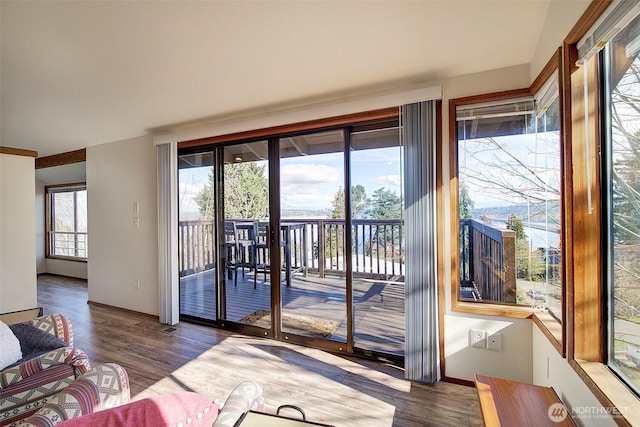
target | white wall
[
  {"x": 68, "y": 268},
  {"x": 561, "y": 17},
  {"x": 17, "y": 240},
  {"x": 513, "y": 361},
  {"x": 119, "y": 174},
  {"x": 551, "y": 370}
]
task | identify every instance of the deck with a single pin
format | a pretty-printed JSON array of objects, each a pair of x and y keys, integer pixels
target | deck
[{"x": 379, "y": 323}]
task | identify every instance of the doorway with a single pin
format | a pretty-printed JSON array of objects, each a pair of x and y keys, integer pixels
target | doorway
[{"x": 319, "y": 214}]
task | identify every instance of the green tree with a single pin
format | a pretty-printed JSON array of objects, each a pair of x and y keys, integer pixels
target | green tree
[
  {"x": 359, "y": 202},
  {"x": 530, "y": 265},
  {"x": 246, "y": 192},
  {"x": 466, "y": 203},
  {"x": 514, "y": 223},
  {"x": 337, "y": 204},
  {"x": 385, "y": 204}
]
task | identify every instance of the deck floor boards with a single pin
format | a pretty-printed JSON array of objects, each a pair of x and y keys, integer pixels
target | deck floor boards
[{"x": 378, "y": 306}]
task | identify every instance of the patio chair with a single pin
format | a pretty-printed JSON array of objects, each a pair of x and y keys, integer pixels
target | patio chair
[
  {"x": 261, "y": 231},
  {"x": 240, "y": 253}
]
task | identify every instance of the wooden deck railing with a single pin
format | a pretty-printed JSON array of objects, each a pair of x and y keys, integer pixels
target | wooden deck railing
[
  {"x": 378, "y": 249},
  {"x": 488, "y": 261},
  {"x": 197, "y": 243}
]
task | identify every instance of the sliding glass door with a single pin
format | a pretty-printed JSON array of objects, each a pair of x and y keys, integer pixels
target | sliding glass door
[
  {"x": 377, "y": 235},
  {"x": 197, "y": 253},
  {"x": 244, "y": 204},
  {"x": 312, "y": 236},
  {"x": 299, "y": 237}
]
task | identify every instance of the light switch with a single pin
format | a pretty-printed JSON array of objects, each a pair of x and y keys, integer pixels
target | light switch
[{"x": 476, "y": 338}]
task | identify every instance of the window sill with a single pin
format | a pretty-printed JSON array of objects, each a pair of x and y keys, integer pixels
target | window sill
[
  {"x": 487, "y": 309},
  {"x": 551, "y": 328},
  {"x": 612, "y": 393},
  {"x": 67, "y": 258}
]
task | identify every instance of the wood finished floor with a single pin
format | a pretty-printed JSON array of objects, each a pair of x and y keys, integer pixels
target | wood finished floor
[{"x": 345, "y": 392}]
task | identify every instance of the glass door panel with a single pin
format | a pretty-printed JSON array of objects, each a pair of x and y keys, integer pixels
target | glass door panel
[
  {"x": 312, "y": 236},
  {"x": 196, "y": 237},
  {"x": 377, "y": 236},
  {"x": 246, "y": 260}
]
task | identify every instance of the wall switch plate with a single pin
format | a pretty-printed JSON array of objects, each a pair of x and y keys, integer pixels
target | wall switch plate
[
  {"x": 493, "y": 342},
  {"x": 477, "y": 338},
  {"x": 136, "y": 283}
]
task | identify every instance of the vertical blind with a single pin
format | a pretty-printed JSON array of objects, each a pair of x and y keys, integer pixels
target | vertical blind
[
  {"x": 168, "y": 232},
  {"x": 421, "y": 285}
]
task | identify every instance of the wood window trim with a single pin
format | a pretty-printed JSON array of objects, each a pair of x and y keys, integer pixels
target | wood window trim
[
  {"x": 456, "y": 304},
  {"x": 301, "y": 127},
  {"x": 586, "y": 285},
  {"x": 608, "y": 389},
  {"x": 550, "y": 326}
]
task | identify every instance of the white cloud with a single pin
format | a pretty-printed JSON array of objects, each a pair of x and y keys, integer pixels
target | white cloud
[
  {"x": 298, "y": 174},
  {"x": 309, "y": 186},
  {"x": 391, "y": 180}
]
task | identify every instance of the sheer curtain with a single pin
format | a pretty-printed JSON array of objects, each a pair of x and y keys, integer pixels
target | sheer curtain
[
  {"x": 168, "y": 232},
  {"x": 421, "y": 286}
]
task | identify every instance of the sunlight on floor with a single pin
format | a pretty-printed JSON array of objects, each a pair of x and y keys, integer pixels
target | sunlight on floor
[{"x": 329, "y": 388}]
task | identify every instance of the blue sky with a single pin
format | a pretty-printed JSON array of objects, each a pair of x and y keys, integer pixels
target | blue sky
[{"x": 310, "y": 182}]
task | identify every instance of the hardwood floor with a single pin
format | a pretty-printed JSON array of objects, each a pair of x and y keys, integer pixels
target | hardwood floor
[{"x": 332, "y": 389}]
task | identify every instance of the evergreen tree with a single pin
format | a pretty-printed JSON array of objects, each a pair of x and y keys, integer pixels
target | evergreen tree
[
  {"x": 359, "y": 201},
  {"x": 514, "y": 223},
  {"x": 385, "y": 204},
  {"x": 246, "y": 192},
  {"x": 466, "y": 203},
  {"x": 337, "y": 204}
]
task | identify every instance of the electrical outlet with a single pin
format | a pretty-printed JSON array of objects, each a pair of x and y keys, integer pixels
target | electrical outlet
[
  {"x": 136, "y": 283},
  {"x": 136, "y": 222},
  {"x": 493, "y": 342},
  {"x": 477, "y": 338}
]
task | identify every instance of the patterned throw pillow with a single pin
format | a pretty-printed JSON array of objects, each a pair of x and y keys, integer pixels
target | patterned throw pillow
[{"x": 9, "y": 347}]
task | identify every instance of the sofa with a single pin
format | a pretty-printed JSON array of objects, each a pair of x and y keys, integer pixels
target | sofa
[
  {"x": 168, "y": 409},
  {"x": 49, "y": 363}
]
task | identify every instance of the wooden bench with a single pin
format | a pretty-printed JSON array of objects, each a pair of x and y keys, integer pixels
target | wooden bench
[{"x": 511, "y": 403}]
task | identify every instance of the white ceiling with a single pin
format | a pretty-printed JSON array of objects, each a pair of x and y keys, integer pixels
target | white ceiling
[{"x": 75, "y": 74}]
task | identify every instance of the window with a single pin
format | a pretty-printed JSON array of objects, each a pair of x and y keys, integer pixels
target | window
[
  {"x": 622, "y": 201},
  {"x": 509, "y": 201},
  {"x": 67, "y": 221}
]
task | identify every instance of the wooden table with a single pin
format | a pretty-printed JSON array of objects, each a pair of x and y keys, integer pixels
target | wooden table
[
  {"x": 511, "y": 403},
  {"x": 293, "y": 239}
]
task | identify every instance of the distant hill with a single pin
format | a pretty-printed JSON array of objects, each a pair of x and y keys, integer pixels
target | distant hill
[{"x": 522, "y": 211}]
